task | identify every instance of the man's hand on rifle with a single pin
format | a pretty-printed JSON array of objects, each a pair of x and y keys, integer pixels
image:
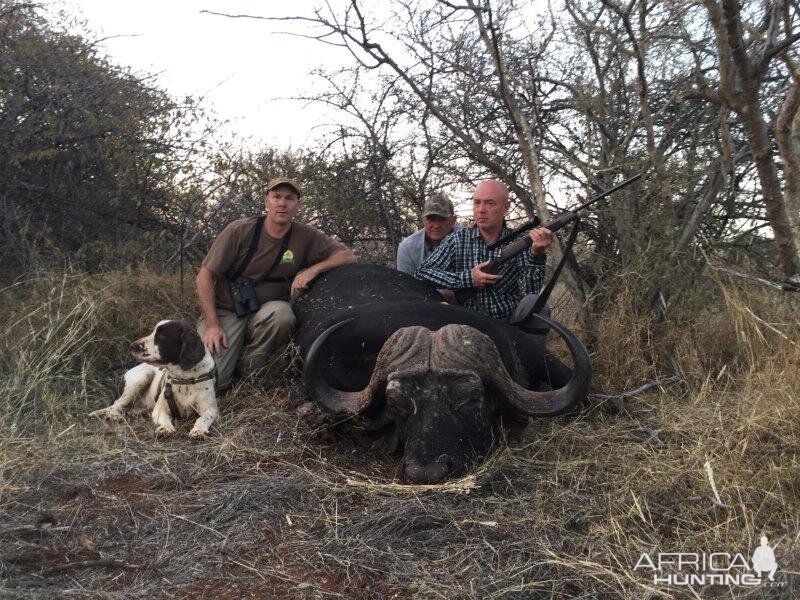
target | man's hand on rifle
[
  {"x": 541, "y": 238},
  {"x": 480, "y": 279}
]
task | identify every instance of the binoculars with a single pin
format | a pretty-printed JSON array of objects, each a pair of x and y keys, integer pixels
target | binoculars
[{"x": 244, "y": 296}]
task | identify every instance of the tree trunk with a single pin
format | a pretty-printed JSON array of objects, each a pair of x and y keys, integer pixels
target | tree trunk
[
  {"x": 758, "y": 139},
  {"x": 787, "y": 133},
  {"x": 741, "y": 89}
]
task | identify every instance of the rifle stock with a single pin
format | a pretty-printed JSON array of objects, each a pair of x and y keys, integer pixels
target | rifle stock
[{"x": 526, "y": 242}]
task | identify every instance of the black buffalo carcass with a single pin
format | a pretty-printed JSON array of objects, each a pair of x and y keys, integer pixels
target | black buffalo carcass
[{"x": 431, "y": 379}]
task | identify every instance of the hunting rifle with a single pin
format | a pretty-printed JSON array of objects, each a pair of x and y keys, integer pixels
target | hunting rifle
[{"x": 523, "y": 244}]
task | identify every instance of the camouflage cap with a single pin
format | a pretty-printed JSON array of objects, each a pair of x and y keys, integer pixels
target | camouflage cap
[
  {"x": 438, "y": 204},
  {"x": 276, "y": 181}
]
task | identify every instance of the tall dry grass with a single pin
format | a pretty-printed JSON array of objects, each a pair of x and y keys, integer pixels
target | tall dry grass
[
  {"x": 63, "y": 338},
  {"x": 272, "y": 505}
]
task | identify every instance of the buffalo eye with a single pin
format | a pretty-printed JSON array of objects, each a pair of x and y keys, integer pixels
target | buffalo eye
[
  {"x": 468, "y": 403},
  {"x": 397, "y": 400},
  {"x": 393, "y": 387},
  {"x": 467, "y": 393}
]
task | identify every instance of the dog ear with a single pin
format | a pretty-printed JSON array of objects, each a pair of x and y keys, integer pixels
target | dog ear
[{"x": 192, "y": 349}]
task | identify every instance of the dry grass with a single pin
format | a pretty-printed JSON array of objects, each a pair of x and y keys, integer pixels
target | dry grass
[{"x": 272, "y": 505}]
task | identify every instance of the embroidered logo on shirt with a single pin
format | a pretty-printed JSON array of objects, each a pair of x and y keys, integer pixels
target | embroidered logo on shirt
[{"x": 288, "y": 257}]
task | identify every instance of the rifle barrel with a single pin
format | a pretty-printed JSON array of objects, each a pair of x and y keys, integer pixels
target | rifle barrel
[
  {"x": 607, "y": 193},
  {"x": 560, "y": 221}
]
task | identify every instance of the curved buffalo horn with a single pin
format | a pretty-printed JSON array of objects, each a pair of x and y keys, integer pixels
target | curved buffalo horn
[
  {"x": 405, "y": 349},
  {"x": 478, "y": 352},
  {"x": 561, "y": 399},
  {"x": 338, "y": 401}
]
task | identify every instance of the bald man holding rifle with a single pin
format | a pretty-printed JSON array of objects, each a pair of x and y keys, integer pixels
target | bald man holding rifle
[{"x": 500, "y": 281}]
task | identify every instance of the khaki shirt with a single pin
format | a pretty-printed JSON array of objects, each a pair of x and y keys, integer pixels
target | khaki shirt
[{"x": 307, "y": 246}]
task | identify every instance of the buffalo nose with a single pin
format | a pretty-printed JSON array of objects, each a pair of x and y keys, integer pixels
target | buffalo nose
[{"x": 432, "y": 472}]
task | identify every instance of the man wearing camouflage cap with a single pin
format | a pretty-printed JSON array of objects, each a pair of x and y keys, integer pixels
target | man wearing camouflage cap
[
  {"x": 460, "y": 260},
  {"x": 438, "y": 219},
  {"x": 274, "y": 257}
]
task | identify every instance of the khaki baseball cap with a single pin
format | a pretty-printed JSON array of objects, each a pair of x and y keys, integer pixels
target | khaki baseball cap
[
  {"x": 276, "y": 181},
  {"x": 438, "y": 204}
]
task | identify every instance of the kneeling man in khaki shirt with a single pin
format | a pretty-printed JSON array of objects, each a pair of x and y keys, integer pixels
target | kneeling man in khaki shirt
[{"x": 252, "y": 339}]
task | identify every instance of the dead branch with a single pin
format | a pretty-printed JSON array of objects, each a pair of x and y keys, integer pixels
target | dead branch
[
  {"x": 641, "y": 389},
  {"x": 100, "y": 562},
  {"x": 786, "y": 286},
  {"x": 34, "y": 527}
]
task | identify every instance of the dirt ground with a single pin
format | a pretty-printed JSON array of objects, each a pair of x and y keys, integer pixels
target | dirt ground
[{"x": 275, "y": 505}]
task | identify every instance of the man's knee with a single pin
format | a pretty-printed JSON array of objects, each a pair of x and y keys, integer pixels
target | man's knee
[
  {"x": 272, "y": 326},
  {"x": 284, "y": 317},
  {"x": 275, "y": 314}
]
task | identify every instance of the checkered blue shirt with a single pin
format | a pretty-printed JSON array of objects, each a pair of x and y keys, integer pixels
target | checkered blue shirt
[{"x": 450, "y": 267}]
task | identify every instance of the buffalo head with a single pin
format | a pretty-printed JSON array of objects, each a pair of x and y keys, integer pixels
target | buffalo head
[{"x": 440, "y": 395}]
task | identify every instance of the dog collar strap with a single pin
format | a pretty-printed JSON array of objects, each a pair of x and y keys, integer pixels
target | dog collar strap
[
  {"x": 169, "y": 395},
  {"x": 207, "y": 377}
]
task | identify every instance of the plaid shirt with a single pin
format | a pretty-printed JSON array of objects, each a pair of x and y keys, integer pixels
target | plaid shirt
[{"x": 450, "y": 266}]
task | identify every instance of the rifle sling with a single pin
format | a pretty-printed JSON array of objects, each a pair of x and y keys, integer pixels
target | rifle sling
[{"x": 551, "y": 283}]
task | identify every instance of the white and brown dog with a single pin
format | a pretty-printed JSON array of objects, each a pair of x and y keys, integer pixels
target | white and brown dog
[{"x": 176, "y": 379}]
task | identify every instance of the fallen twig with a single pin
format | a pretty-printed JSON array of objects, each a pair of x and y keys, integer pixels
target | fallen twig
[
  {"x": 639, "y": 390},
  {"x": 37, "y": 527},
  {"x": 100, "y": 562},
  {"x": 650, "y": 433},
  {"x": 716, "y": 499},
  {"x": 459, "y": 486}
]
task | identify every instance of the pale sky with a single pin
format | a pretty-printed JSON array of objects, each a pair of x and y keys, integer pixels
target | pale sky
[
  {"x": 245, "y": 70},
  {"x": 241, "y": 67}
]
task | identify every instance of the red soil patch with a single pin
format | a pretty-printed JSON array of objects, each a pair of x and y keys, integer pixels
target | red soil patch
[{"x": 127, "y": 486}]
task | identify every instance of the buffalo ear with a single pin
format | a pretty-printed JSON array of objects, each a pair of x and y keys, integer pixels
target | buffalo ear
[
  {"x": 381, "y": 429},
  {"x": 386, "y": 439},
  {"x": 192, "y": 349}
]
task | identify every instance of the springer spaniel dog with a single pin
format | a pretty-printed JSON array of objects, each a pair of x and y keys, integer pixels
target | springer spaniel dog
[{"x": 176, "y": 379}]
